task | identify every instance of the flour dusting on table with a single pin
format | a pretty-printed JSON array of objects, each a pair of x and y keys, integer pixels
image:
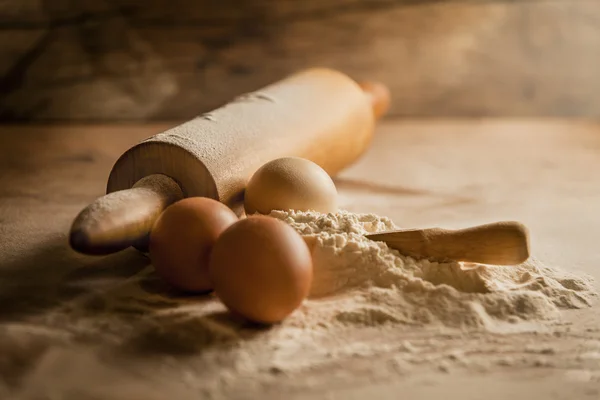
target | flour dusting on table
[{"x": 370, "y": 307}]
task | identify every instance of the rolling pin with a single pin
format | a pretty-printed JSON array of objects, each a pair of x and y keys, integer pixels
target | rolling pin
[{"x": 318, "y": 114}]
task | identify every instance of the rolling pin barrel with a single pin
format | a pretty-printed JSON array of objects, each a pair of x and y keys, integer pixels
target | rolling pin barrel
[{"x": 318, "y": 114}]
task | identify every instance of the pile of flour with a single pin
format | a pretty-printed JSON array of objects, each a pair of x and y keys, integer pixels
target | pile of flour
[{"x": 373, "y": 284}]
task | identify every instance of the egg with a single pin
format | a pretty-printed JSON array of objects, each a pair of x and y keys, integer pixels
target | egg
[
  {"x": 261, "y": 269},
  {"x": 290, "y": 183},
  {"x": 181, "y": 240}
]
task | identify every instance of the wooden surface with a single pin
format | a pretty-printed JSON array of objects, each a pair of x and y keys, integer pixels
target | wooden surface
[
  {"x": 172, "y": 59},
  {"x": 451, "y": 174}
]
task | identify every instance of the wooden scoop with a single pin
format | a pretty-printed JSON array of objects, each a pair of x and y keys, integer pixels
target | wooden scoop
[{"x": 499, "y": 243}]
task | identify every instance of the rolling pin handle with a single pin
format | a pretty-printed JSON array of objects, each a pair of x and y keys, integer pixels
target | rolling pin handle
[
  {"x": 379, "y": 95},
  {"x": 123, "y": 218}
]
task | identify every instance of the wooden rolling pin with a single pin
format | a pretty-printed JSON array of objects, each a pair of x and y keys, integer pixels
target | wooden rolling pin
[
  {"x": 318, "y": 114},
  {"x": 499, "y": 243}
]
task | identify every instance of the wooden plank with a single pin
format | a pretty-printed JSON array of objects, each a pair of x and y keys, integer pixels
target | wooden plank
[
  {"x": 544, "y": 173},
  {"x": 125, "y": 59}
]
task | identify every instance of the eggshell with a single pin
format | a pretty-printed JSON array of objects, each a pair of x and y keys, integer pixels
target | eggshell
[
  {"x": 182, "y": 238},
  {"x": 261, "y": 269},
  {"x": 290, "y": 183}
]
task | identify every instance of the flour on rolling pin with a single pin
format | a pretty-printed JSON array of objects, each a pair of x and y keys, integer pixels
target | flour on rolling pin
[{"x": 318, "y": 114}]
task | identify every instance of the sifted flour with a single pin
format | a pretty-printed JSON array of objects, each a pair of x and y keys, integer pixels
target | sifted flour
[{"x": 387, "y": 286}]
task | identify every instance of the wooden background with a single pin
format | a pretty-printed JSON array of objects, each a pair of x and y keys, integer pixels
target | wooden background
[{"x": 110, "y": 60}]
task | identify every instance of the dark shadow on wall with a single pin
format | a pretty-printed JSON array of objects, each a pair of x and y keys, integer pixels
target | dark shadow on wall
[{"x": 129, "y": 60}]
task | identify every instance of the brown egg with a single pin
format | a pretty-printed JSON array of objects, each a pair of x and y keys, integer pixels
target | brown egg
[
  {"x": 182, "y": 238},
  {"x": 290, "y": 183},
  {"x": 261, "y": 269}
]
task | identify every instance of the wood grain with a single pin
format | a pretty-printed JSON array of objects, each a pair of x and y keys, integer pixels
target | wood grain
[{"x": 130, "y": 60}]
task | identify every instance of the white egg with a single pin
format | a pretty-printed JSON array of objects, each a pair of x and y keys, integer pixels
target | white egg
[{"x": 290, "y": 183}]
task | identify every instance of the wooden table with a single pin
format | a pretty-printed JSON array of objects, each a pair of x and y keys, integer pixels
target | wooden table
[{"x": 420, "y": 173}]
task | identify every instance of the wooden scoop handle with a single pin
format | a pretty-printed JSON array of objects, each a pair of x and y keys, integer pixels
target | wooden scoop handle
[{"x": 500, "y": 243}]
